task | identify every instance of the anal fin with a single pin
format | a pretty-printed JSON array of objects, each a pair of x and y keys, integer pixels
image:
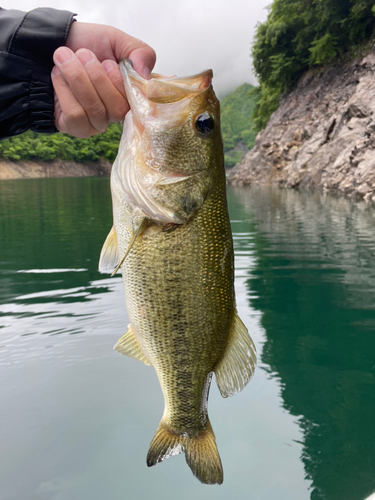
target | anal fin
[
  {"x": 237, "y": 365},
  {"x": 128, "y": 346}
]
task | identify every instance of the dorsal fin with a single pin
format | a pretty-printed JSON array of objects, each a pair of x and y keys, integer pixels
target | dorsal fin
[{"x": 237, "y": 365}]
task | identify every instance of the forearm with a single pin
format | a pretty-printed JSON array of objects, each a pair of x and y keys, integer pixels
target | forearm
[{"x": 27, "y": 43}]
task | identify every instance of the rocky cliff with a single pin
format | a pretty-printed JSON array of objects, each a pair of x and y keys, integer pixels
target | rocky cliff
[
  {"x": 321, "y": 136},
  {"x": 56, "y": 168}
]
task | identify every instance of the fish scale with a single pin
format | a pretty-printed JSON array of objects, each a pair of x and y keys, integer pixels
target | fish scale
[
  {"x": 178, "y": 276},
  {"x": 171, "y": 326}
]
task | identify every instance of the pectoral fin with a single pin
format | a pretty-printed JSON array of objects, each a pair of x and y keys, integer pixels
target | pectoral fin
[
  {"x": 237, "y": 365},
  {"x": 109, "y": 254},
  {"x": 139, "y": 226},
  {"x": 128, "y": 346}
]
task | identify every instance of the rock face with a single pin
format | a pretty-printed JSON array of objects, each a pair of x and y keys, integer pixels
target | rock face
[
  {"x": 321, "y": 136},
  {"x": 56, "y": 168}
]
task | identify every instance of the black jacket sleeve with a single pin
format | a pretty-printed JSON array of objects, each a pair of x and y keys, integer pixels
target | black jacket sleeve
[{"x": 27, "y": 43}]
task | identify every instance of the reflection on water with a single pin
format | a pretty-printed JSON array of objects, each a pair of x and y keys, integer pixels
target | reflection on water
[
  {"x": 76, "y": 418},
  {"x": 51, "y": 232},
  {"x": 55, "y": 312},
  {"x": 314, "y": 283}
]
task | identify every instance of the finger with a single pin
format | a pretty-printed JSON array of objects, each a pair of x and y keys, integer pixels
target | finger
[
  {"x": 70, "y": 117},
  {"x": 114, "y": 74},
  {"x": 143, "y": 60},
  {"x": 111, "y": 43},
  {"x": 115, "y": 104},
  {"x": 79, "y": 82},
  {"x": 141, "y": 54}
]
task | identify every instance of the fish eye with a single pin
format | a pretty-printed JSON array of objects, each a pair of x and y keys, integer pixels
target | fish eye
[{"x": 204, "y": 123}]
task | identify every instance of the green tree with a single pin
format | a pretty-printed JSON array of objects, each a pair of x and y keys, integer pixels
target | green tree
[
  {"x": 299, "y": 34},
  {"x": 236, "y": 123},
  {"x": 31, "y": 145}
]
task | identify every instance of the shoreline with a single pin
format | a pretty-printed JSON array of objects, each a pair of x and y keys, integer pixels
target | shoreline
[{"x": 10, "y": 170}]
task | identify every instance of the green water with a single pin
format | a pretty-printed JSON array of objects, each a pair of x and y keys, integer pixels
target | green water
[{"x": 76, "y": 418}]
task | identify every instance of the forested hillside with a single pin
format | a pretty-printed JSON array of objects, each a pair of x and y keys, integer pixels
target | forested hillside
[
  {"x": 300, "y": 34},
  {"x": 33, "y": 146},
  {"x": 236, "y": 123},
  {"x": 238, "y": 135}
]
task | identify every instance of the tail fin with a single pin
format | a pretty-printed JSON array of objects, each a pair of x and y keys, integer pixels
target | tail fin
[
  {"x": 201, "y": 452},
  {"x": 164, "y": 445},
  {"x": 203, "y": 457}
]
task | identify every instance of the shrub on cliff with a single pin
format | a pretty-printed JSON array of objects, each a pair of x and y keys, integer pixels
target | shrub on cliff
[{"x": 299, "y": 34}]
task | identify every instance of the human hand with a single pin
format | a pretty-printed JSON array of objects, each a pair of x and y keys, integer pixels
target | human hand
[{"x": 89, "y": 90}]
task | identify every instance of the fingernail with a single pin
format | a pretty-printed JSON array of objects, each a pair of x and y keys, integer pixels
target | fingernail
[
  {"x": 85, "y": 56},
  {"x": 63, "y": 55},
  {"x": 108, "y": 65},
  {"x": 146, "y": 72},
  {"x": 56, "y": 71}
]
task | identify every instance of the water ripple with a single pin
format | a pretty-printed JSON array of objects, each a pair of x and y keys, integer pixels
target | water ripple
[
  {"x": 50, "y": 271},
  {"x": 23, "y": 320}
]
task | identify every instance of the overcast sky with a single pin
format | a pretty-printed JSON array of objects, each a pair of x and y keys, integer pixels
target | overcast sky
[{"x": 188, "y": 35}]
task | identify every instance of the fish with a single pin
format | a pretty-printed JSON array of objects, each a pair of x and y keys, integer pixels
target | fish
[{"x": 172, "y": 239}]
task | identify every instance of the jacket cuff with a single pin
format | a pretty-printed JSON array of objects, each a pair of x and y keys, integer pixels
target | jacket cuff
[
  {"x": 40, "y": 33},
  {"x": 26, "y": 91},
  {"x": 42, "y": 102},
  {"x": 26, "y": 98}
]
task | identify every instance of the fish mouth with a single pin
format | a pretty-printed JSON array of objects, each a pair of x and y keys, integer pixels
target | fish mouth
[
  {"x": 191, "y": 84},
  {"x": 143, "y": 94}
]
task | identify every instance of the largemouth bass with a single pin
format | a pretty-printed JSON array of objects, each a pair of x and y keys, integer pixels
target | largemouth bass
[{"x": 172, "y": 239}]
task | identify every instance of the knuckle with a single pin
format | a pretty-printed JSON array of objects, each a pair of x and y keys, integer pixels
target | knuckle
[
  {"x": 75, "y": 77},
  {"x": 96, "y": 110},
  {"x": 116, "y": 79},
  {"x": 97, "y": 75},
  {"x": 83, "y": 131},
  {"x": 119, "y": 113},
  {"x": 76, "y": 115}
]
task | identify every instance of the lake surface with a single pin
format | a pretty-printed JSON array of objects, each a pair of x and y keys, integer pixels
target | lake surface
[{"x": 76, "y": 418}]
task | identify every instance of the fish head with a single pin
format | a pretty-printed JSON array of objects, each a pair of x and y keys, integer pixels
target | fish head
[{"x": 172, "y": 149}]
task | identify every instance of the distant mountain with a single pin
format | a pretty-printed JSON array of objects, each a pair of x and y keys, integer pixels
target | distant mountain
[{"x": 236, "y": 124}]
